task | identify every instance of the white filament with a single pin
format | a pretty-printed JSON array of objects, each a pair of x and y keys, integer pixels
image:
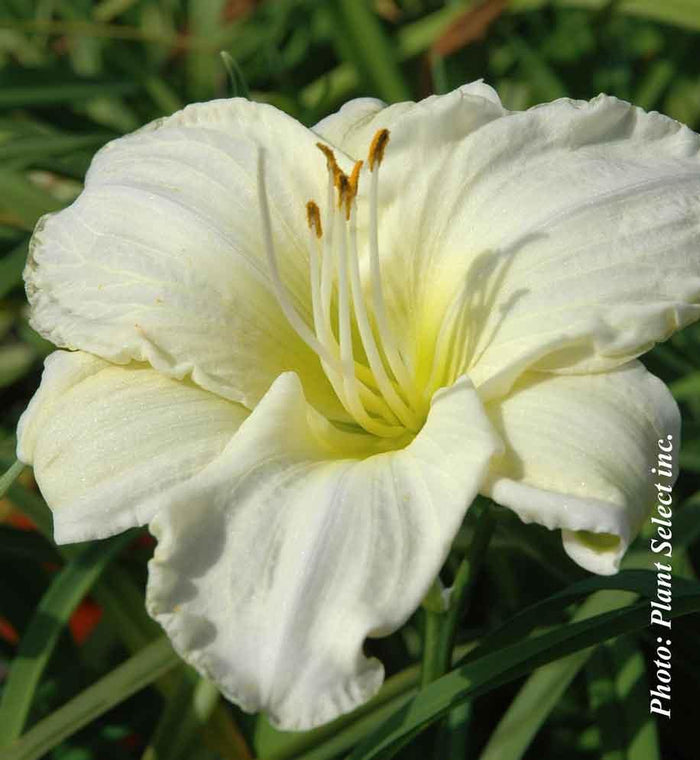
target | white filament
[
  {"x": 369, "y": 393},
  {"x": 388, "y": 343}
]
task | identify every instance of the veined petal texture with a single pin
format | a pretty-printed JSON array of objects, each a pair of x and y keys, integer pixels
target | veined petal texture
[{"x": 278, "y": 560}]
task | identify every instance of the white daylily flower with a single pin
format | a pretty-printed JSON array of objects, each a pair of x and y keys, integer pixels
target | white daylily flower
[{"x": 301, "y": 370}]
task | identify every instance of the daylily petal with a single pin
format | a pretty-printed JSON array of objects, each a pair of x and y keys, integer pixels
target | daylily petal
[
  {"x": 341, "y": 128},
  {"x": 278, "y": 560},
  {"x": 161, "y": 258},
  {"x": 352, "y": 128},
  {"x": 415, "y": 207},
  {"x": 579, "y": 454},
  {"x": 107, "y": 442},
  {"x": 563, "y": 238}
]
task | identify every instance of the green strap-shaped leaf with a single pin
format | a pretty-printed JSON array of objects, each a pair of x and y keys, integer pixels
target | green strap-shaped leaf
[
  {"x": 41, "y": 94},
  {"x": 33, "y": 506},
  {"x": 685, "y": 13},
  {"x": 11, "y": 268},
  {"x": 605, "y": 706},
  {"x": 9, "y": 477},
  {"x": 496, "y": 668},
  {"x": 186, "y": 713},
  {"x": 632, "y": 689},
  {"x": 51, "y": 616},
  {"x": 327, "y": 742},
  {"x": 139, "y": 671},
  {"x": 542, "y": 691},
  {"x": 361, "y": 41},
  {"x": 123, "y": 604},
  {"x": 410, "y": 40}
]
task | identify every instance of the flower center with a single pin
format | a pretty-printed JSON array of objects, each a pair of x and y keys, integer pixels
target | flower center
[{"x": 376, "y": 387}]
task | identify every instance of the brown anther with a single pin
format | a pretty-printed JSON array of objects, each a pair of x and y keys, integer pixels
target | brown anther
[
  {"x": 355, "y": 177},
  {"x": 344, "y": 190},
  {"x": 333, "y": 167},
  {"x": 377, "y": 148},
  {"x": 353, "y": 182},
  {"x": 313, "y": 218}
]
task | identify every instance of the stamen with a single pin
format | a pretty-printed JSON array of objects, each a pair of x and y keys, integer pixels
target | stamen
[
  {"x": 380, "y": 397},
  {"x": 344, "y": 194},
  {"x": 297, "y": 323},
  {"x": 323, "y": 325},
  {"x": 288, "y": 309},
  {"x": 384, "y": 384},
  {"x": 377, "y": 148},
  {"x": 396, "y": 363},
  {"x": 313, "y": 218},
  {"x": 353, "y": 183},
  {"x": 331, "y": 162},
  {"x": 346, "y": 349},
  {"x": 327, "y": 264}
]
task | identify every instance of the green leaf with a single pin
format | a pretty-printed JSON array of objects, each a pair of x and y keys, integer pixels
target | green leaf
[
  {"x": 57, "y": 605},
  {"x": 542, "y": 691},
  {"x": 24, "y": 201},
  {"x": 361, "y": 41},
  {"x": 411, "y": 40},
  {"x": 61, "y": 93},
  {"x": 686, "y": 387},
  {"x": 11, "y": 268},
  {"x": 26, "y": 546},
  {"x": 136, "y": 673},
  {"x": 686, "y": 525},
  {"x": 106, "y": 10},
  {"x": 544, "y": 81},
  {"x": 33, "y": 149},
  {"x": 685, "y": 13},
  {"x": 348, "y": 737},
  {"x": 203, "y": 67},
  {"x": 9, "y": 477},
  {"x": 496, "y": 668},
  {"x": 188, "y": 711},
  {"x": 124, "y": 606},
  {"x": 549, "y": 610},
  {"x": 33, "y": 506},
  {"x": 605, "y": 707},
  {"x": 343, "y": 733},
  {"x": 632, "y": 689},
  {"x": 15, "y": 361}
]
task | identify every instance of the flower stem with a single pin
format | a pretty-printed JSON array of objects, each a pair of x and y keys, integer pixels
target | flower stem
[
  {"x": 442, "y": 616},
  {"x": 461, "y": 592},
  {"x": 443, "y": 612},
  {"x": 431, "y": 647}
]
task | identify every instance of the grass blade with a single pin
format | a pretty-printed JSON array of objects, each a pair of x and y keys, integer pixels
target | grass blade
[
  {"x": 492, "y": 670},
  {"x": 605, "y": 706},
  {"x": 411, "y": 40},
  {"x": 187, "y": 713},
  {"x": 542, "y": 691},
  {"x": 22, "y": 200},
  {"x": 51, "y": 616},
  {"x": 136, "y": 673},
  {"x": 62, "y": 92},
  {"x": 362, "y": 42},
  {"x": 633, "y": 691},
  {"x": 34, "y": 149},
  {"x": 9, "y": 477},
  {"x": 33, "y": 506}
]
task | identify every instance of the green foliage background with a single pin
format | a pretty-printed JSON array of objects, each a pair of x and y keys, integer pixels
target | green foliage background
[{"x": 548, "y": 662}]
